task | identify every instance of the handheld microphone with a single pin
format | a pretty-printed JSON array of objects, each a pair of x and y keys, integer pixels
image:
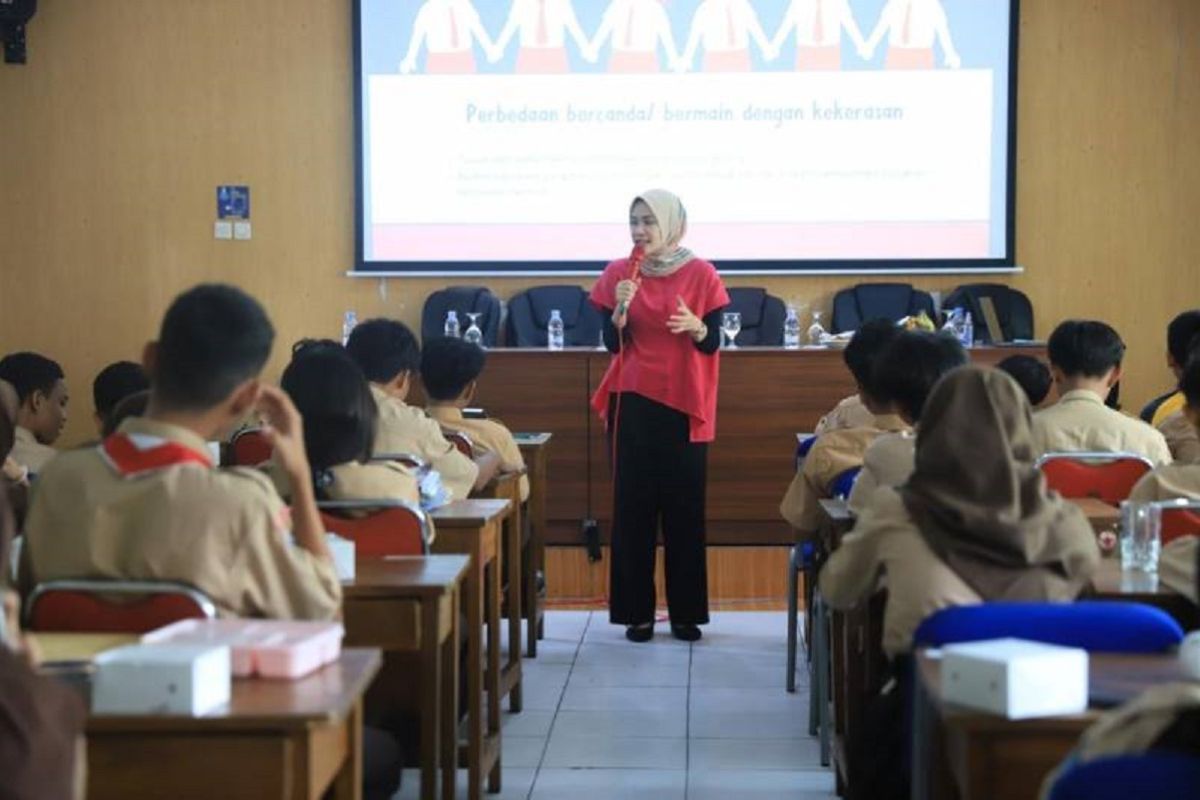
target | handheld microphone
[{"x": 636, "y": 257}]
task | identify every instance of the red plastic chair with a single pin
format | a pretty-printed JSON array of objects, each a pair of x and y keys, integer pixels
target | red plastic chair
[
  {"x": 1105, "y": 476},
  {"x": 250, "y": 448},
  {"x": 92, "y": 606},
  {"x": 461, "y": 442},
  {"x": 387, "y": 528},
  {"x": 1179, "y": 518}
]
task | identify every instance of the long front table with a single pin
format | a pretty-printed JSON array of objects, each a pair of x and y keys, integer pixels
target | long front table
[{"x": 766, "y": 395}]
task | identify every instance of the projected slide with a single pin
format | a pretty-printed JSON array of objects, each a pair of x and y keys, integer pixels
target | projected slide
[{"x": 514, "y": 132}]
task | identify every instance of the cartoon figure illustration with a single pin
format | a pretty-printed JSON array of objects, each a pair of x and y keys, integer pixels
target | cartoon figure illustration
[
  {"x": 543, "y": 25},
  {"x": 911, "y": 26},
  {"x": 725, "y": 28},
  {"x": 634, "y": 29},
  {"x": 448, "y": 29},
  {"x": 818, "y": 25}
]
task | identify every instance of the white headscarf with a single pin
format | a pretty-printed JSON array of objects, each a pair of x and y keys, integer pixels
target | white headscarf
[{"x": 671, "y": 217}]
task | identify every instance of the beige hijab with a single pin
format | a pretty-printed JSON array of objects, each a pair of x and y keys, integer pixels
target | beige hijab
[
  {"x": 671, "y": 216},
  {"x": 981, "y": 504}
]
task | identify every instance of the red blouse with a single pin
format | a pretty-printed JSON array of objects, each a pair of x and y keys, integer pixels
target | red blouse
[{"x": 657, "y": 364}]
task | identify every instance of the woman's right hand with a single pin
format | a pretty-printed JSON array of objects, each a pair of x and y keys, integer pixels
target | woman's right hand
[{"x": 626, "y": 291}]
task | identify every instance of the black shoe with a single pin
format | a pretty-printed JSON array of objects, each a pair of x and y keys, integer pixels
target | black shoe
[
  {"x": 685, "y": 633},
  {"x": 640, "y": 633}
]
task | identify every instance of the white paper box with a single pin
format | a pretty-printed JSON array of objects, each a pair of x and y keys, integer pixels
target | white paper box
[
  {"x": 1016, "y": 678},
  {"x": 343, "y": 556},
  {"x": 162, "y": 679}
]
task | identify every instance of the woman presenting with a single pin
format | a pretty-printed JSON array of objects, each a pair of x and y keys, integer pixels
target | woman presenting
[{"x": 662, "y": 309}]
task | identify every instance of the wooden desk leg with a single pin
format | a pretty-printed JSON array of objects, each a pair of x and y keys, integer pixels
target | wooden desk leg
[
  {"x": 347, "y": 784},
  {"x": 529, "y": 573},
  {"x": 492, "y": 584},
  {"x": 431, "y": 676},
  {"x": 449, "y": 702},
  {"x": 515, "y": 573},
  {"x": 475, "y": 679}
]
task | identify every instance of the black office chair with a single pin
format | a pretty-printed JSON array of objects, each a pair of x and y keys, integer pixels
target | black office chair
[
  {"x": 461, "y": 299},
  {"x": 762, "y": 317},
  {"x": 866, "y": 301},
  {"x": 529, "y": 316},
  {"x": 1014, "y": 312}
]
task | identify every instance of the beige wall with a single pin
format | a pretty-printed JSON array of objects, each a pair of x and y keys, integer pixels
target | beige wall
[{"x": 131, "y": 111}]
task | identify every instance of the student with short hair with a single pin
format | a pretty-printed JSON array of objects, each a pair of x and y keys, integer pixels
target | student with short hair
[
  {"x": 839, "y": 450},
  {"x": 340, "y": 418},
  {"x": 1085, "y": 359},
  {"x": 132, "y": 406},
  {"x": 149, "y": 504},
  {"x": 851, "y": 412},
  {"x": 1033, "y": 376},
  {"x": 450, "y": 370},
  {"x": 42, "y": 406},
  {"x": 905, "y": 374},
  {"x": 389, "y": 356},
  {"x": 113, "y": 384}
]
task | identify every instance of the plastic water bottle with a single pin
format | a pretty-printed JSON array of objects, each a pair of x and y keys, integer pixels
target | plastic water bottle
[
  {"x": 968, "y": 330},
  {"x": 791, "y": 330},
  {"x": 349, "y": 321},
  {"x": 554, "y": 331},
  {"x": 451, "y": 328}
]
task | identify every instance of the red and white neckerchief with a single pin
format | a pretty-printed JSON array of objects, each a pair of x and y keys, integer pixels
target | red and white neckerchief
[{"x": 135, "y": 454}]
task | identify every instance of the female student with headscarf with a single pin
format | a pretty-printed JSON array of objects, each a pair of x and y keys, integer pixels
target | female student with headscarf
[
  {"x": 974, "y": 523},
  {"x": 659, "y": 401}
]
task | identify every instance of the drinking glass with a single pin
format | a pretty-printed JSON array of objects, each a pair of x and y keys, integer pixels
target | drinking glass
[
  {"x": 731, "y": 326},
  {"x": 1140, "y": 536},
  {"x": 816, "y": 331},
  {"x": 473, "y": 334}
]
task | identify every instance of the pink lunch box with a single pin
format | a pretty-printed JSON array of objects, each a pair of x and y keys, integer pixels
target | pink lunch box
[{"x": 263, "y": 648}]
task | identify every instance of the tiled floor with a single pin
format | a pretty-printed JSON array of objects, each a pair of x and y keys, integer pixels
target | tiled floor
[{"x": 606, "y": 718}]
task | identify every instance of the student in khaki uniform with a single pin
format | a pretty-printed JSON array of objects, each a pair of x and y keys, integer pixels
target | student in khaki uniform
[
  {"x": 859, "y": 355},
  {"x": 388, "y": 355},
  {"x": 1085, "y": 359},
  {"x": 905, "y": 375},
  {"x": 839, "y": 450},
  {"x": 1164, "y": 718},
  {"x": 973, "y": 523},
  {"x": 148, "y": 504},
  {"x": 450, "y": 370},
  {"x": 42, "y": 407},
  {"x": 113, "y": 384},
  {"x": 340, "y": 418},
  {"x": 1183, "y": 334},
  {"x": 1179, "y": 480}
]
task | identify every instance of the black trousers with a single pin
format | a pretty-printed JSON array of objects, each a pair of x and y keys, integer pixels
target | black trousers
[{"x": 659, "y": 484}]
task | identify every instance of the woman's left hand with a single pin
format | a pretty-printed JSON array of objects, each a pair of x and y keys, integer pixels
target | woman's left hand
[{"x": 684, "y": 321}]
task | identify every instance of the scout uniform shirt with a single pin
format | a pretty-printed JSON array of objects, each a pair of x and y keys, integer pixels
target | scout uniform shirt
[
  {"x": 886, "y": 541},
  {"x": 834, "y": 453},
  {"x": 146, "y": 504},
  {"x": 1181, "y": 437},
  {"x": 406, "y": 429},
  {"x": 29, "y": 452},
  {"x": 1080, "y": 422},
  {"x": 489, "y": 436},
  {"x": 1172, "y": 482},
  {"x": 850, "y": 412},
  {"x": 889, "y": 461},
  {"x": 1177, "y": 566}
]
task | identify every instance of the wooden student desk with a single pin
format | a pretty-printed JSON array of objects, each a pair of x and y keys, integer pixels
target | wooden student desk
[
  {"x": 507, "y": 486},
  {"x": 472, "y": 527},
  {"x": 409, "y": 604},
  {"x": 535, "y": 452},
  {"x": 276, "y": 738},
  {"x": 959, "y": 753}
]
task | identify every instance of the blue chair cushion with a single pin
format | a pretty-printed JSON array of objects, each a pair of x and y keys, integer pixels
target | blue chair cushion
[
  {"x": 843, "y": 484},
  {"x": 1159, "y": 774},
  {"x": 1095, "y": 626}
]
